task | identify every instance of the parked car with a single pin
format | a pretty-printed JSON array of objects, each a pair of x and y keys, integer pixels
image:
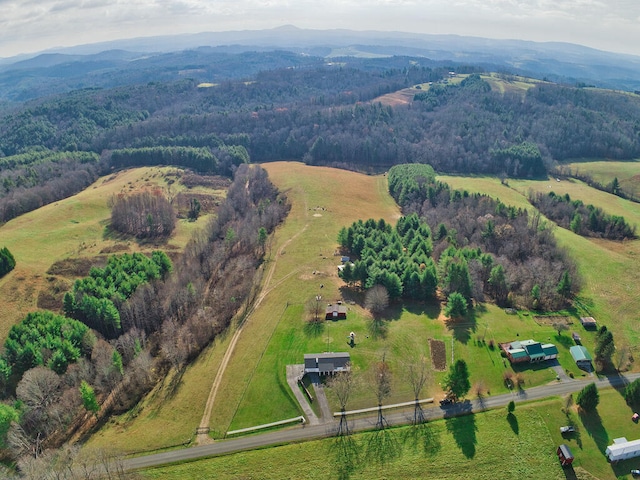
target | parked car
[
  {"x": 635, "y": 473},
  {"x": 567, "y": 429}
]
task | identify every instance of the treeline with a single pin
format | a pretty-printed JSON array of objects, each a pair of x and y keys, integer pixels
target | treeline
[
  {"x": 587, "y": 220},
  {"x": 167, "y": 316},
  {"x": 537, "y": 273},
  {"x": 40, "y": 178},
  {"x": 95, "y": 300},
  {"x": 143, "y": 215},
  {"x": 7, "y": 261}
]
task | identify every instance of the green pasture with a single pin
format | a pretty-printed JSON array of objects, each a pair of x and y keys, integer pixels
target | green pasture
[
  {"x": 474, "y": 446},
  {"x": 604, "y": 171},
  {"x": 457, "y": 448}
]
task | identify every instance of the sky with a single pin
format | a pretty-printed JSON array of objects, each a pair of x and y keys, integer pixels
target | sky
[{"x": 28, "y": 26}]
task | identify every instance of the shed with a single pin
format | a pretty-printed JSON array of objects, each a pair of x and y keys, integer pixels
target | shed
[
  {"x": 588, "y": 323},
  {"x": 326, "y": 363},
  {"x": 622, "y": 449},
  {"x": 564, "y": 455},
  {"x": 336, "y": 311},
  {"x": 581, "y": 356}
]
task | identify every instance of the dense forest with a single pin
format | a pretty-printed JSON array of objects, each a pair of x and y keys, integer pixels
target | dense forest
[
  {"x": 325, "y": 114},
  {"x": 509, "y": 255}
]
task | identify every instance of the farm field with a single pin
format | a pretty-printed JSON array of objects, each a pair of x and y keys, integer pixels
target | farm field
[
  {"x": 604, "y": 171},
  {"x": 74, "y": 229},
  {"x": 276, "y": 334},
  {"x": 464, "y": 447}
]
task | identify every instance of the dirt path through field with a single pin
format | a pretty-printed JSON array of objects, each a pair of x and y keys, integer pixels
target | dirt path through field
[{"x": 204, "y": 438}]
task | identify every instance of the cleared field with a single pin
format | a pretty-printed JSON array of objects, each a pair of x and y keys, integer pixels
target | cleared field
[
  {"x": 456, "y": 448},
  {"x": 476, "y": 446},
  {"x": 75, "y": 228},
  {"x": 627, "y": 173}
]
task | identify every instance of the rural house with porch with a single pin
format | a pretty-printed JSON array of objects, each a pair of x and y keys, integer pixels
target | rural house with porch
[
  {"x": 529, "y": 351},
  {"x": 327, "y": 363}
]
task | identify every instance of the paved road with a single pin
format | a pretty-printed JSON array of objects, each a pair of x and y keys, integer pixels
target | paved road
[{"x": 309, "y": 432}]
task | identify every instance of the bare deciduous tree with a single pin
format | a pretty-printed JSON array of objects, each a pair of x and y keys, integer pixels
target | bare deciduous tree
[
  {"x": 418, "y": 374},
  {"x": 376, "y": 299},
  {"x": 342, "y": 384},
  {"x": 382, "y": 388}
]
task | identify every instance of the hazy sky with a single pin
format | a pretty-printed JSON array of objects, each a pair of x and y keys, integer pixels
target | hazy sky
[{"x": 34, "y": 25}]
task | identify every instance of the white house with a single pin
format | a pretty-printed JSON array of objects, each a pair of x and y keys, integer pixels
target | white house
[{"x": 622, "y": 449}]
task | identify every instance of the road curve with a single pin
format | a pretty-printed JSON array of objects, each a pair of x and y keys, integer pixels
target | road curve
[{"x": 309, "y": 432}]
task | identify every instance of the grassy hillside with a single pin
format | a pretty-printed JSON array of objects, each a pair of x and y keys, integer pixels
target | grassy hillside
[
  {"x": 604, "y": 171},
  {"x": 75, "y": 230}
]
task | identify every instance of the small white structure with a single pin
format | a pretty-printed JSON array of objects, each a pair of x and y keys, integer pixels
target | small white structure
[{"x": 622, "y": 449}]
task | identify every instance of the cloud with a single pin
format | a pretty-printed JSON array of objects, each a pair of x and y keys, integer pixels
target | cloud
[{"x": 29, "y": 25}]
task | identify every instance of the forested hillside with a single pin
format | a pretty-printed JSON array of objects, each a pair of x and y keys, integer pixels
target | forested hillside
[{"x": 328, "y": 115}]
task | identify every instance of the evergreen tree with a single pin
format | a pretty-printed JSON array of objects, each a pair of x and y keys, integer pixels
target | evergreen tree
[
  {"x": 457, "y": 381},
  {"x": 89, "y": 400},
  {"x": 7, "y": 261},
  {"x": 588, "y": 398},
  {"x": 456, "y": 306}
]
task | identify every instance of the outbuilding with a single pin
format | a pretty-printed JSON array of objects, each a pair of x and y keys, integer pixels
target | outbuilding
[
  {"x": 564, "y": 455},
  {"x": 622, "y": 449},
  {"x": 581, "y": 356},
  {"x": 336, "y": 311}
]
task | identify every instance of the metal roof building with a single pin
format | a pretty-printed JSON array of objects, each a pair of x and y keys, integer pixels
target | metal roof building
[{"x": 622, "y": 449}]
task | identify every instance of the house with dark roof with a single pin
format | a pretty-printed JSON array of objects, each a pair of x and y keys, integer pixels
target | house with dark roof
[
  {"x": 529, "y": 351},
  {"x": 327, "y": 363},
  {"x": 581, "y": 356}
]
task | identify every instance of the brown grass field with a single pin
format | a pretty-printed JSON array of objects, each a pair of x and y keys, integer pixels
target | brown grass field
[{"x": 74, "y": 230}]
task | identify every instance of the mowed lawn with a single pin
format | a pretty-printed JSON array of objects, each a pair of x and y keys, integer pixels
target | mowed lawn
[{"x": 483, "y": 446}]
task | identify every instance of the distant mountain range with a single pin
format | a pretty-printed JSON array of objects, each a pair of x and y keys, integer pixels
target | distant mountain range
[{"x": 216, "y": 56}]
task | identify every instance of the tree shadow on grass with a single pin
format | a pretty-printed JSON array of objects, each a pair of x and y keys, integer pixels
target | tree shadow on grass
[
  {"x": 464, "y": 327},
  {"x": 382, "y": 446},
  {"x": 377, "y": 327},
  {"x": 464, "y": 430},
  {"x": 513, "y": 423},
  {"x": 314, "y": 329},
  {"x": 425, "y": 436},
  {"x": 346, "y": 454},
  {"x": 593, "y": 425},
  {"x": 565, "y": 340}
]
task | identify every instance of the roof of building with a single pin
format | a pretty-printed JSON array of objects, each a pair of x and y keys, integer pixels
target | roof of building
[
  {"x": 566, "y": 451},
  {"x": 588, "y": 320},
  {"x": 518, "y": 353},
  {"x": 580, "y": 354},
  {"x": 534, "y": 349},
  {"x": 622, "y": 447},
  {"x": 549, "y": 349},
  {"x": 327, "y": 355},
  {"x": 336, "y": 307}
]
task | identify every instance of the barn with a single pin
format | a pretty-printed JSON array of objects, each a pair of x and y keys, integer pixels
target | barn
[
  {"x": 564, "y": 455},
  {"x": 327, "y": 363},
  {"x": 336, "y": 311},
  {"x": 622, "y": 449}
]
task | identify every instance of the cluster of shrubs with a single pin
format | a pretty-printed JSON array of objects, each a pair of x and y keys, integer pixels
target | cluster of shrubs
[{"x": 7, "y": 261}]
